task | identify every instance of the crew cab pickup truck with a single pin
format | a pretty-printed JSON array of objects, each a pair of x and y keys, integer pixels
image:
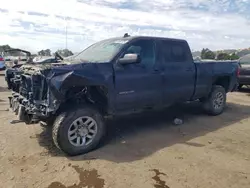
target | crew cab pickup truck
[{"x": 118, "y": 76}]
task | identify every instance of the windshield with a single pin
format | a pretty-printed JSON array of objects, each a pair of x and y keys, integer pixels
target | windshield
[{"x": 99, "y": 52}]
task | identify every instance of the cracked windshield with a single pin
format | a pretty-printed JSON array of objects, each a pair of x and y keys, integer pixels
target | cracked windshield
[{"x": 125, "y": 94}]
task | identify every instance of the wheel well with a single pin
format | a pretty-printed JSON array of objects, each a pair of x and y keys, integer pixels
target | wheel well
[
  {"x": 94, "y": 95},
  {"x": 223, "y": 81}
]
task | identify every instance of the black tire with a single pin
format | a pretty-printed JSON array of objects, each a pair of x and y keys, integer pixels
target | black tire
[
  {"x": 62, "y": 124},
  {"x": 209, "y": 104}
]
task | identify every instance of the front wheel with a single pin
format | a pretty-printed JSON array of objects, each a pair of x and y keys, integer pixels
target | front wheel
[
  {"x": 216, "y": 101},
  {"x": 78, "y": 130}
]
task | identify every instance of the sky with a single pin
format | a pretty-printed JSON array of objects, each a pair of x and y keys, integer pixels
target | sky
[{"x": 34, "y": 25}]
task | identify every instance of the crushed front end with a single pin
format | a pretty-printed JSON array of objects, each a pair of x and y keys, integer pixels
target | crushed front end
[
  {"x": 32, "y": 100},
  {"x": 13, "y": 78},
  {"x": 44, "y": 90}
]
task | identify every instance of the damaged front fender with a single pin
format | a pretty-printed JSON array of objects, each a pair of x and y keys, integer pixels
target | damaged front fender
[
  {"x": 61, "y": 80},
  {"x": 44, "y": 90}
]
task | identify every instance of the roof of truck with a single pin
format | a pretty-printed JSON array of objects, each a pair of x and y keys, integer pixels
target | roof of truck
[{"x": 147, "y": 37}]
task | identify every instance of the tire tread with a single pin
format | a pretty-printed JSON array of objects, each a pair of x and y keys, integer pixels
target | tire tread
[
  {"x": 207, "y": 103},
  {"x": 67, "y": 115}
]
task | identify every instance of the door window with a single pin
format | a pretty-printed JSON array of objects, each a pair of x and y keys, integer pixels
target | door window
[{"x": 145, "y": 49}]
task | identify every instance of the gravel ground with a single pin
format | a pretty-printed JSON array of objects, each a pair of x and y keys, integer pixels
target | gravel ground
[{"x": 143, "y": 151}]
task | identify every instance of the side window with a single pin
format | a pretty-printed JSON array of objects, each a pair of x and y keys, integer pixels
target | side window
[
  {"x": 179, "y": 52},
  {"x": 174, "y": 51},
  {"x": 145, "y": 49}
]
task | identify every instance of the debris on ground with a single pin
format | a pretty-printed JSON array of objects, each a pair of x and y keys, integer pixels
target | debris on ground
[{"x": 15, "y": 121}]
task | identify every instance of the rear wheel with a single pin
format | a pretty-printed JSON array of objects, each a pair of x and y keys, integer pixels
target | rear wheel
[
  {"x": 215, "y": 103},
  {"x": 78, "y": 131}
]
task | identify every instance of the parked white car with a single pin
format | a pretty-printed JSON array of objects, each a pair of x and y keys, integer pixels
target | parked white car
[{"x": 2, "y": 63}]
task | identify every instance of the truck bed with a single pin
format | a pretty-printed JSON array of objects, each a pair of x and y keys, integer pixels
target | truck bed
[{"x": 208, "y": 72}]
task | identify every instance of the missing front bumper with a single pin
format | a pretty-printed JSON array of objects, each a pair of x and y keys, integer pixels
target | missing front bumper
[{"x": 15, "y": 103}]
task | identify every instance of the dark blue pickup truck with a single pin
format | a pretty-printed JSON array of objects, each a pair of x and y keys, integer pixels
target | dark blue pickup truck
[{"x": 114, "y": 77}]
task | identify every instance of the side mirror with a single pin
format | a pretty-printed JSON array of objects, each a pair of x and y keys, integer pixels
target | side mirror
[{"x": 129, "y": 59}]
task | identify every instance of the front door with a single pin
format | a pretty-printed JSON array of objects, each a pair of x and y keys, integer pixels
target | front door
[{"x": 138, "y": 85}]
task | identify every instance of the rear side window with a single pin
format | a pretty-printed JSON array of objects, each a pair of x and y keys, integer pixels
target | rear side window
[{"x": 173, "y": 51}]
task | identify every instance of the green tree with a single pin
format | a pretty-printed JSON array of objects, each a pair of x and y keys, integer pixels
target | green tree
[
  {"x": 207, "y": 54},
  {"x": 41, "y": 53},
  {"x": 4, "y": 47},
  {"x": 65, "y": 52},
  {"x": 46, "y": 52},
  {"x": 234, "y": 56},
  {"x": 223, "y": 56}
]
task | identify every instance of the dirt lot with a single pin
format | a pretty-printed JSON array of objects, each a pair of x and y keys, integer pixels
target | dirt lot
[{"x": 144, "y": 151}]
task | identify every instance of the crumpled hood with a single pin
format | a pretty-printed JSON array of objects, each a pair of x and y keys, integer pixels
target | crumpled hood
[
  {"x": 61, "y": 78},
  {"x": 34, "y": 68}
]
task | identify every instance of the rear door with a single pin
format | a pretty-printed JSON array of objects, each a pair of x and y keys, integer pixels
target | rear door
[
  {"x": 179, "y": 70},
  {"x": 138, "y": 86}
]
